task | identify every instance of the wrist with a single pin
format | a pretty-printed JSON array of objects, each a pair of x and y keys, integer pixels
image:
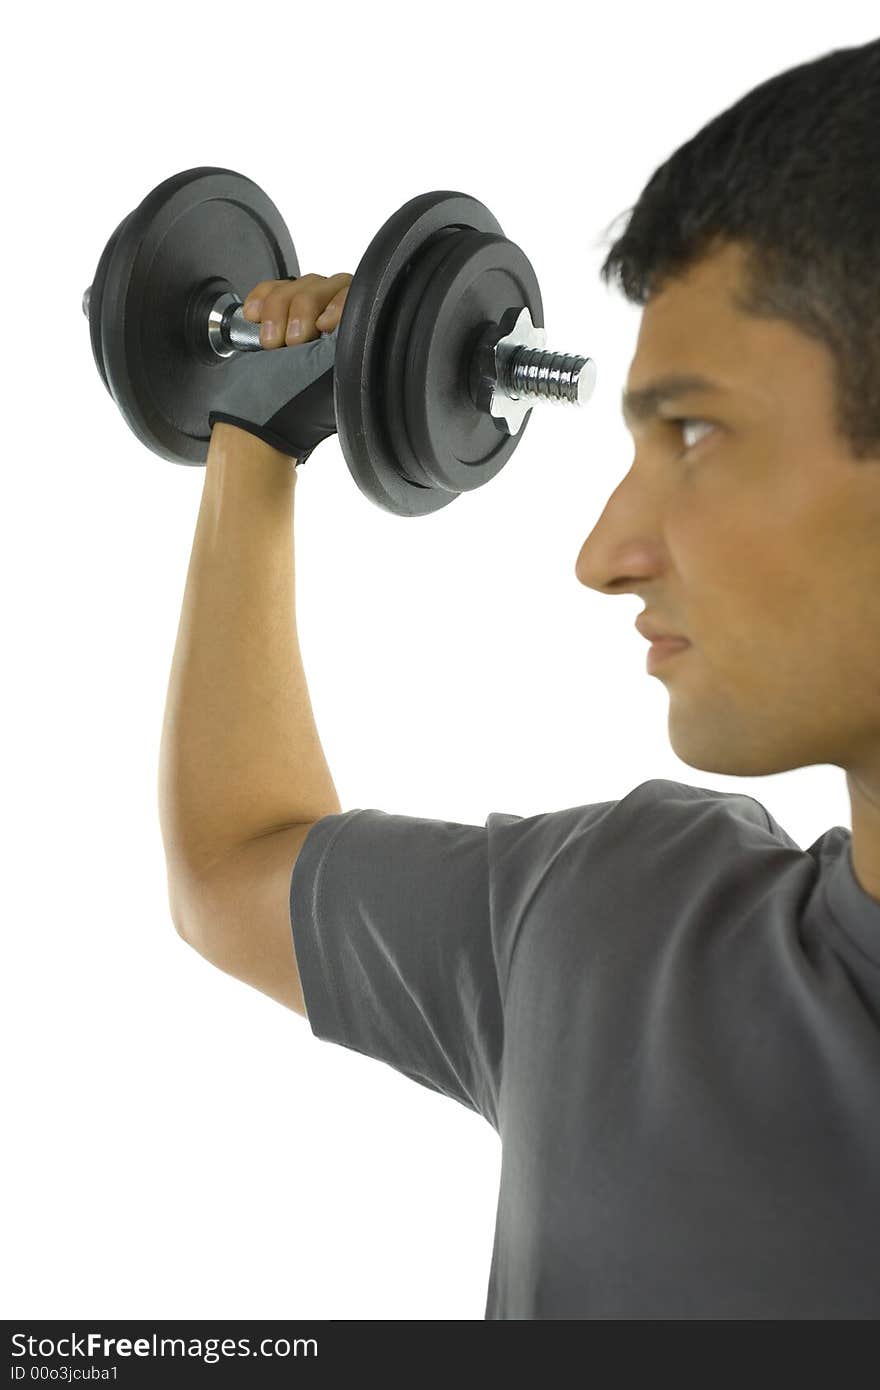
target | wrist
[{"x": 235, "y": 446}]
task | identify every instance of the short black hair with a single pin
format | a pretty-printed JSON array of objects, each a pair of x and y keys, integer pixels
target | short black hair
[{"x": 791, "y": 172}]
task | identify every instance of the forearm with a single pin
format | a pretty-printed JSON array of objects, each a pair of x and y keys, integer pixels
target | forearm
[{"x": 240, "y": 753}]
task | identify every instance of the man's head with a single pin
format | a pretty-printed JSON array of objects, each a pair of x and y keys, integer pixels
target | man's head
[{"x": 756, "y": 253}]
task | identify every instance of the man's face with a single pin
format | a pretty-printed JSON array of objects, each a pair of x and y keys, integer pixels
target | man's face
[{"x": 762, "y": 545}]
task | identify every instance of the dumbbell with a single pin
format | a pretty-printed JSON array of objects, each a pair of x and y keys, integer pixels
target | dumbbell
[{"x": 437, "y": 359}]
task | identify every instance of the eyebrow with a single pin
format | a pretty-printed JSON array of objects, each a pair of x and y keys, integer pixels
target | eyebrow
[{"x": 644, "y": 404}]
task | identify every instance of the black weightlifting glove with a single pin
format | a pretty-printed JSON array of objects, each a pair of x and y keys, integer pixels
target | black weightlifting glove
[{"x": 284, "y": 396}]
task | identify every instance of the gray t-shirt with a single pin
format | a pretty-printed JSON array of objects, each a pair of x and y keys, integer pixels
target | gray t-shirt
[{"x": 669, "y": 1013}]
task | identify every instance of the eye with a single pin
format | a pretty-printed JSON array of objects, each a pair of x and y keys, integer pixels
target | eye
[{"x": 685, "y": 420}]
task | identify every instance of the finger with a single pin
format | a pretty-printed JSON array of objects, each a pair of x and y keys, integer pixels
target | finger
[
  {"x": 253, "y": 302},
  {"x": 330, "y": 317}
]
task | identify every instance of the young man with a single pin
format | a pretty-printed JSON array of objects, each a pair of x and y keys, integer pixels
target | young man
[{"x": 669, "y": 1012}]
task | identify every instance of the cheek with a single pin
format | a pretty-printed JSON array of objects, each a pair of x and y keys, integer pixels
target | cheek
[{"x": 739, "y": 577}]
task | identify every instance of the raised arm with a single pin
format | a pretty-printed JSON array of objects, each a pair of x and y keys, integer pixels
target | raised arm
[{"x": 240, "y": 754}]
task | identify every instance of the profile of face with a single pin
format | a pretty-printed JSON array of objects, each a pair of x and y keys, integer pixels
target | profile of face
[{"x": 751, "y": 531}]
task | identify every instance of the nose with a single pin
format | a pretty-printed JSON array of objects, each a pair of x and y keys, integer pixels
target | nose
[{"x": 624, "y": 551}]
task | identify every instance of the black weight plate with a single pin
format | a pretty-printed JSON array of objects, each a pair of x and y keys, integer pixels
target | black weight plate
[
  {"x": 202, "y": 224},
  {"x": 459, "y": 446},
  {"x": 96, "y": 299},
  {"x": 359, "y": 379},
  {"x": 399, "y": 324}
]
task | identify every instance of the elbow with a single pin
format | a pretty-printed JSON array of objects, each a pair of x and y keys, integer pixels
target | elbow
[
  {"x": 179, "y": 907},
  {"x": 192, "y": 916}
]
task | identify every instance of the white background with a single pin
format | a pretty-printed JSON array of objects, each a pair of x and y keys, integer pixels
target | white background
[{"x": 178, "y": 1145}]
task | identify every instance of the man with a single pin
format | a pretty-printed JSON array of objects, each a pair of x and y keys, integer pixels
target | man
[{"x": 668, "y": 1011}]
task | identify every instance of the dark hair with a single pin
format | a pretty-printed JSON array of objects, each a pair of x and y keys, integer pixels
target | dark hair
[{"x": 791, "y": 172}]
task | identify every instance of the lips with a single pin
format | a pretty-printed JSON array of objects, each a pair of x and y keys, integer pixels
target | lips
[
  {"x": 653, "y": 632},
  {"x": 663, "y": 649}
]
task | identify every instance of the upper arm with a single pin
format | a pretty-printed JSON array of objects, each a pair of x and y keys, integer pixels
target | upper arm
[{"x": 237, "y": 914}]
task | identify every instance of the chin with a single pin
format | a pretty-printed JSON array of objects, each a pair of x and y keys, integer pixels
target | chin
[{"x": 751, "y": 754}]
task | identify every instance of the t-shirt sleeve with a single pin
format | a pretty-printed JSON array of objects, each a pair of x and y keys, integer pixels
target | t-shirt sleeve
[{"x": 392, "y": 930}]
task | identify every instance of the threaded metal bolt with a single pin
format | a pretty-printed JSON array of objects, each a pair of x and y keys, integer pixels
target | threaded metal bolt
[
  {"x": 548, "y": 376},
  {"x": 510, "y": 369}
]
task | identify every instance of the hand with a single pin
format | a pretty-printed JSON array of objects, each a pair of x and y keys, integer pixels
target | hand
[
  {"x": 288, "y": 402},
  {"x": 296, "y": 311}
]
